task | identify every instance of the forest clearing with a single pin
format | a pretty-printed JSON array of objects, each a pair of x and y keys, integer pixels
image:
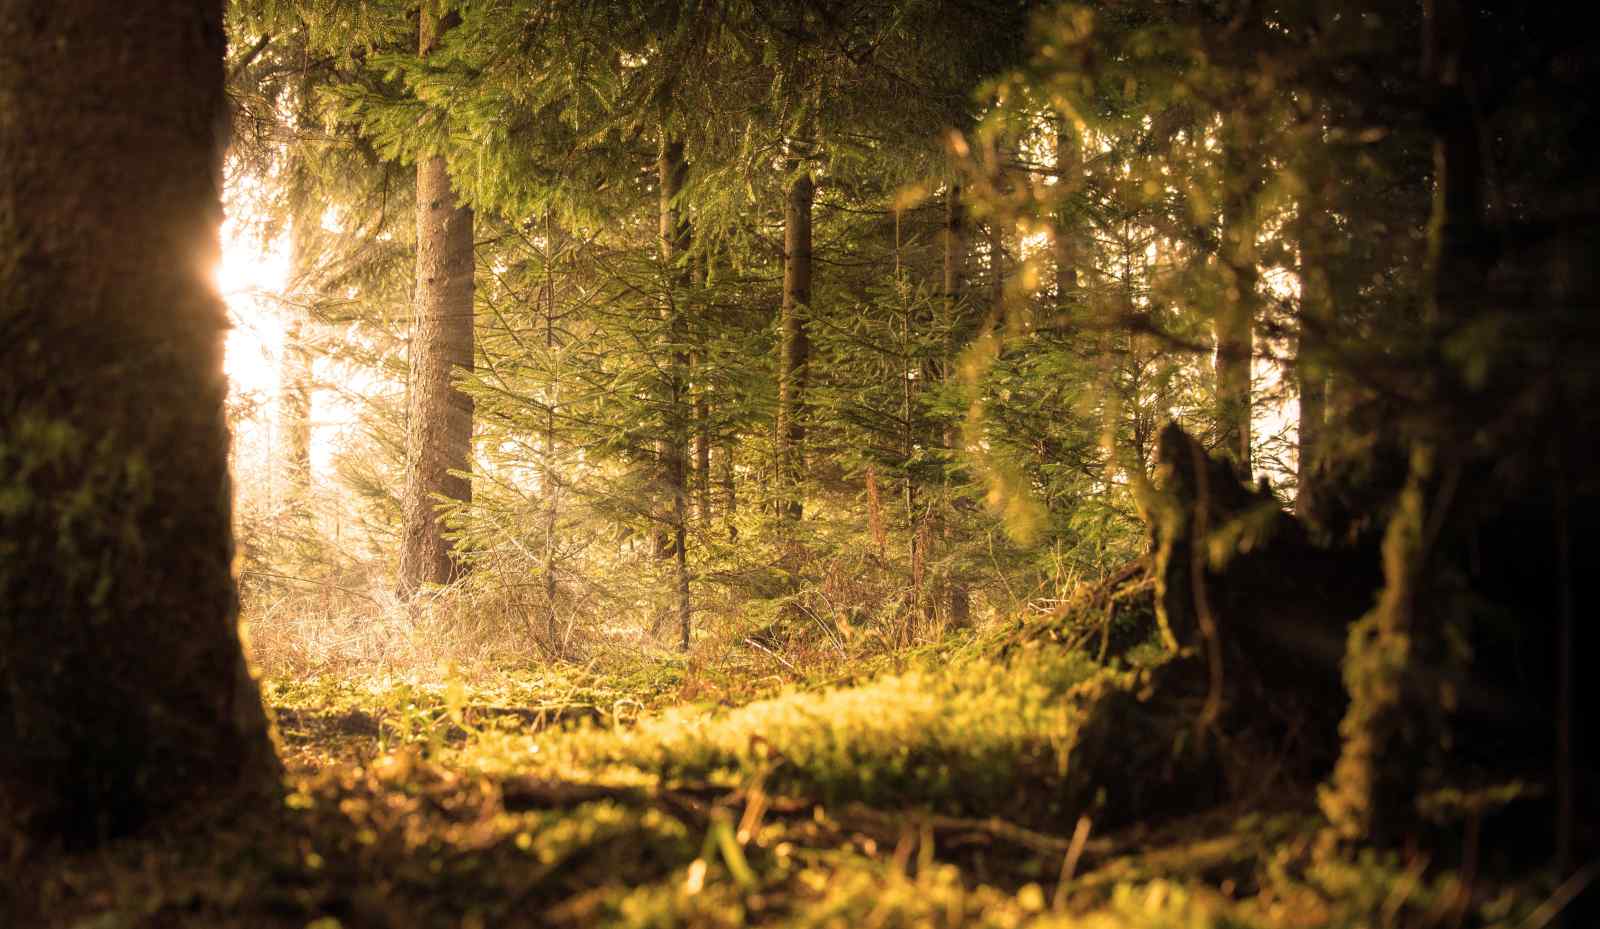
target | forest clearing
[{"x": 1125, "y": 464}]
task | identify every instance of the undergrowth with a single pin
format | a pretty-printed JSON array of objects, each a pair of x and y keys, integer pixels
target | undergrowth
[{"x": 923, "y": 788}]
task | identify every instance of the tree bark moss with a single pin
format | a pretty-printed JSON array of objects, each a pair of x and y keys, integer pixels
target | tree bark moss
[{"x": 123, "y": 688}]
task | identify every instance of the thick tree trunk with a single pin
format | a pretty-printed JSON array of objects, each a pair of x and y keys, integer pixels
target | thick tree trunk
[
  {"x": 794, "y": 350},
  {"x": 439, "y": 416},
  {"x": 1392, "y": 728},
  {"x": 123, "y": 687},
  {"x": 1236, "y": 317},
  {"x": 673, "y": 449}
]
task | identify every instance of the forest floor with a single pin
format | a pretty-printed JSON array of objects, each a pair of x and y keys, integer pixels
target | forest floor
[{"x": 922, "y": 791}]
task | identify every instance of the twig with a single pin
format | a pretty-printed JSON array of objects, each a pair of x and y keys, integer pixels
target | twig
[{"x": 781, "y": 660}]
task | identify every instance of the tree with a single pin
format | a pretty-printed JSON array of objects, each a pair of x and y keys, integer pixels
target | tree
[
  {"x": 123, "y": 687},
  {"x": 439, "y": 420},
  {"x": 794, "y": 343}
]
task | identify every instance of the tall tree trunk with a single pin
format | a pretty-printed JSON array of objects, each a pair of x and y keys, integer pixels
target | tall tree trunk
[
  {"x": 293, "y": 466},
  {"x": 1392, "y": 727},
  {"x": 1236, "y": 317},
  {"x": 123, "y": 687},
  {"x": 549, "y": 479},
  {"x": 439, "y": 416},
  {"x": 702, "y": 417},
  {"x": 1069, "y": 162},
  {"x": 673, "y": 449},
  {"x": 1309, "y": 367},
  {"x": 294, "y": 416},
  {"x": 294, "y": 383},
  {"x": 955, "y": 286},
  {"x": 794, "y": 350}
]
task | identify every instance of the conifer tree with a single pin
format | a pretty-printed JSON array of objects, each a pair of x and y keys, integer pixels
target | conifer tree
[
  {"x": 123, "y": 687},
  {"x": 439, "y": 415}
]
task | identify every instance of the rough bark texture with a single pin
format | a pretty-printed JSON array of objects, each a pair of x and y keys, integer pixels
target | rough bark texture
[
  {"x": 123, "y": 687},
  {"x": 438, "y": 416},
  {"x": 794, "y": 350},
  {"x": 1069, "y": 162},
  {"x": 955, "y": 285},
  {"x": 673, "y": 450}
]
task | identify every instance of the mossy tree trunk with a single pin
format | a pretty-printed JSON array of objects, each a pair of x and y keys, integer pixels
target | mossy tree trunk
[
  {"x": 439, "y": 416},
  {"x": 123, "y": 687},
  {"x": 1392, "y": 731}
]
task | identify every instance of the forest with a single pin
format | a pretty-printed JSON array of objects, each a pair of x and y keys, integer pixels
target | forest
[{"x": 1120, "y": 464}]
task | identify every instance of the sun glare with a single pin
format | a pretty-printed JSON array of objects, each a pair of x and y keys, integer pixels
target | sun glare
[{"x": 252, "y": 277}]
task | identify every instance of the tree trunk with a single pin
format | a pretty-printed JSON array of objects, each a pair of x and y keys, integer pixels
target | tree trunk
[
  {"x": 294, "y": 417},
  {"x": 1069, "y": 162},
  {"x": 549, "y": 478},
  {"x": 702, "y": 446},
  {"x": 955, "y": 249},
  {"x": 1392, "y": 727},
  {"x": 794, "y": 351},
  {"x": 702, "y": 421},
  {"x": 295, "y": 363},
  {"x": 1236, "y": 316},
  {"x": 439, "y": 416},
  {"x": 123, "y": 687},
  {"x": 673, "y": 448},
  {"x": 955, "y": 285},
  {"x": 1309, "y": 368},
  {"x": 730, "y": 491}
]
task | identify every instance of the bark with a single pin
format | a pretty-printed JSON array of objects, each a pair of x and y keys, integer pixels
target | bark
[
  {"x": 295, "y": 363},
  {"x": 955, "y": 249},
  {"x": 702, "y": 424},
  {"x": 549, "y": 479},
  {"x": 794, "y": 351},
  {"x": 1069, "y": 162},
  {"x": 123, "y": 687},
  {"x": 1392, "y": 728},
  {"x": 673, "y": 449},
  {"x": 1309, "y": 367},
  {"x": 1236, "y": 317},
  {"x": 439, "y": 416},
  {"x": 702, "y": 448},
  {"x": 955, "y": 283}
]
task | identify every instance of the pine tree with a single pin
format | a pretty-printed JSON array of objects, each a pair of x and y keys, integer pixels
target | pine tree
[{"x": 439, "y": 415}]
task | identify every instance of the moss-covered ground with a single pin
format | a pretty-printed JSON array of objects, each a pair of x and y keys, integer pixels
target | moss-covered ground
[{"x": 925, "y": 791}]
